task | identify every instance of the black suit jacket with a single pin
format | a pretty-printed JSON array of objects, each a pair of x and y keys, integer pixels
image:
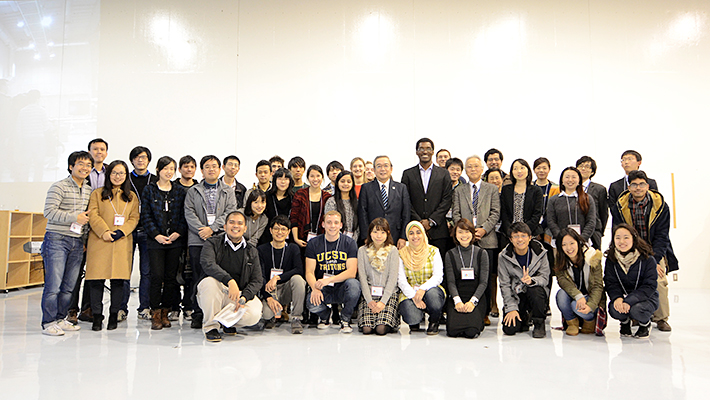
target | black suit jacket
[
  {"x": 598, "y": 193},
  {"x": 435, "y": 203},
  {"x": 532, "y": 208},
  {"x": 370, "y": 206},
  {"x": 618, "y": 187}
]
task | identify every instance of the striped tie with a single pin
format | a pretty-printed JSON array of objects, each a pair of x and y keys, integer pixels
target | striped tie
[
  {"x": 385, "y": 201},
  {"x": 475, "y": 200}
]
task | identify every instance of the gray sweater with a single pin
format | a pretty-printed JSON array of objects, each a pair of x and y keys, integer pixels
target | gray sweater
[
  {"x": 559, "y": 216},
  {"x": 369, "y": 276},
  {"x": 65, "y": 201}
]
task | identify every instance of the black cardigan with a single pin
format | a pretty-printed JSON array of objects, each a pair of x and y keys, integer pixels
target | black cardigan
[{"x": 532, "y": 208}]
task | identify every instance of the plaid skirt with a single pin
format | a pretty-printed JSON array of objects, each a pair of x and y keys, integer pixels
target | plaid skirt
[{"x": 388, "y": 316}]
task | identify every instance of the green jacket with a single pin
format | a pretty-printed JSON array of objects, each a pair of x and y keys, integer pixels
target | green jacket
[{"x": 592, "y": 276}]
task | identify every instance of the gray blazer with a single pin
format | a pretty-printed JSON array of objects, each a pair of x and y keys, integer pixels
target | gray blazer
[{"x": 488, "y": 210}]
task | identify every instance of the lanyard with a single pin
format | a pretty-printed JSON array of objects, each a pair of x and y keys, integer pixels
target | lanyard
[
  {"x": 622, "y": 283},
  {"x": 325, "y": 243},
  {"x": 569, "y": 212},
  {"x": 320, "y": 211},
  {"x": 283, "y": 255},
  {"x": 110, "y": 200},
  {"x": 134, "y": 186},
  {"x": 463, "y": 265}
]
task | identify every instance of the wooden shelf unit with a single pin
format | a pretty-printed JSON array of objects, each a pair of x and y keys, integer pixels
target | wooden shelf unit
[{"x": 18, "y": 268}]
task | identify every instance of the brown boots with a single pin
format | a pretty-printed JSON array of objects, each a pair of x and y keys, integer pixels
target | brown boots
[
  {"x": 589, "y": 327},
  {"x": 572, "y": 327},
  {"x": 160, "y": 319}
]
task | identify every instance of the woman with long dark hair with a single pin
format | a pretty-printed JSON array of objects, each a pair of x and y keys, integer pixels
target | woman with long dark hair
[
  {"x": 579, "y": 273},
  {"x": 630, "y": 278},
  {"x": 113, "y": 215},
  {"x": 572, "y": 207},
  {"x": 345, "y": 202},
  {"x": 278, "y": 199},
  {"x": 256, "y": 219},
  {"x": 307, "y": 208},
  {"x": 522, "y": 201}
]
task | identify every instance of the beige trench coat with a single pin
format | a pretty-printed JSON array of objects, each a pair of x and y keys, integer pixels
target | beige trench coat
[{"x": 110, "y": 260}]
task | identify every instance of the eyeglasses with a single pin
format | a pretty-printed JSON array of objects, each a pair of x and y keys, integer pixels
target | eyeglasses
[
  {"x": 425, "y": 150},
  {"x": 141, "y": 158},
  {"x": 281, "y": 229},
  {"x": 119, "y": 174},
  {"x": 641, "y": 185}
]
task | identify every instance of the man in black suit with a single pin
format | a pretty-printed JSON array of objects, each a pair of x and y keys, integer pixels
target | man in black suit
[
  {"x": 385, "y": 198},
  {"x": 588, "y": 168},
  {"x": 630, "y": 161},
  {"x": 430, "y": 192}
]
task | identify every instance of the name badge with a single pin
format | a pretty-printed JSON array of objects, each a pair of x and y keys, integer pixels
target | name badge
[
  {"x": 329, "y": 276},
  {"x": 310, "y": 236},
  {"x": 467, "y": 274},
  {"x": 76, "y": 228},
  {"x": 348, "y": 234},
  {"x": 577, "y": 228},
  {"x": 377, "y": 290},
  {"x": 276, "y": 272},
  {"x": 118, "y": 220},
  {"x": 475, "y": 220},
  {"x": 211, "y": 218}
]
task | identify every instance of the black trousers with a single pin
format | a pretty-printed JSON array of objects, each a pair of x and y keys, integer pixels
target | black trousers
[
  {"x": 533, "y": 302},
  {"x": 195, "y": 253},
  {"x": 164, "y": 265},
  {"x": 96, "y": 289}
]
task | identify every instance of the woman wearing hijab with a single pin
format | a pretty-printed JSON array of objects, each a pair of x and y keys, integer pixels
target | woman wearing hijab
[{"x": 421, "y": 272}]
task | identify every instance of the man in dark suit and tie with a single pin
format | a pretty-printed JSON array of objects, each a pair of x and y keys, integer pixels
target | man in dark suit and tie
[
  {"x": 430, "y": 192},
  {"x": 385, "y": 198}
]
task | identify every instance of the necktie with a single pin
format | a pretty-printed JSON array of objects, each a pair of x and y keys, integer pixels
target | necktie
[
  {"x": 385, "y": 200},
  {"x": 475, "y": 200}
]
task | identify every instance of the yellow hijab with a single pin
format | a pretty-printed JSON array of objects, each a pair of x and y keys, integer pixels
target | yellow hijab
[{"x": 414, "y": 258}]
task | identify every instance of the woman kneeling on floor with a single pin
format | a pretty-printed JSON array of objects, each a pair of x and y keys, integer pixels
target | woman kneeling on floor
[{"x": 579, "y": 273}]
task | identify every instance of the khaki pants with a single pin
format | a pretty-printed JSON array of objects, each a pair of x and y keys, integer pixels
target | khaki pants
[
  {"x": 212, "y": 298},
  {"x": 664, "y": 308},
  {"x": 292, "y": 291}
]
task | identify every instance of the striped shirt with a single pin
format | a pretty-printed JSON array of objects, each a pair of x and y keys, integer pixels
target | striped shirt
[{"x": 65, "y": 201}]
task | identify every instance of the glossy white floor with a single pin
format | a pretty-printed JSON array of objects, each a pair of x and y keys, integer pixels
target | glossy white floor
[{"x": 135, "y": 362}]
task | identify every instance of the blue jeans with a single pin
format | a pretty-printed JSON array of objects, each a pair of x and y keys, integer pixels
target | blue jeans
[
  {"x": 568, "y": 307},
  {"x": 433, "y": 298},
  {"x": 140, "y": 239},
  {"x": 346, "y": 293},
  {"x": 62, "y": 256}
]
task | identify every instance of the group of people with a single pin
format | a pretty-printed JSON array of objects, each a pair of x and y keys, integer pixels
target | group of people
[{"x": 437, "y": 245}]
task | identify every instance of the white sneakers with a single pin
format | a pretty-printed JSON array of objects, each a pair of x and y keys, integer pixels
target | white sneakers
[
  {"x": 345, "y": 327},
  {"x": 58, "y": 328},
  {"x": 145, "y": 314},
  {"x": 121, "y": 316},
  {"x": 67, "y": 326}
]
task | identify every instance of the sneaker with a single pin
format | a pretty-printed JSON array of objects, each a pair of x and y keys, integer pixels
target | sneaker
[
  {"x": 145, "y": 314},
  {"x": 52, "y": 330},
  {"x": 643, "y": 332},
  {"x": 415, "y": 328},
  {"x": 73, "y": 317},
  {"x": 68, "y": 326},
  {"x": 625, "y": 330},
  {"x": 322, "y": 324},
  {"x": 122, "y": 315},
  {"x": 187, "y": 314},
  {"x": 174, "y": 315},
  {"x": 270, "y": 323},
  {"x": 213, "y": 336},
  {"x": 345, "y": 327},
  {"x": 296, "y": 327},
  {"x": 432, "y": 329},
  {"x": 196, "y": 322},
  {"x": 231, "y": 331}
]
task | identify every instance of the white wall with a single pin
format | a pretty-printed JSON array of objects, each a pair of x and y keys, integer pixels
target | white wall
[{"x": 338, "y": 79}]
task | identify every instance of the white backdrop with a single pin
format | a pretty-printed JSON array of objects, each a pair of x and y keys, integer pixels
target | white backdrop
[{"x": 337, "y": 79}]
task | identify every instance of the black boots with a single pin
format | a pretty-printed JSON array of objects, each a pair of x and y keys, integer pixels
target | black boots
[
  {"x": 97, "y": 322},
  {"x": 538, "y": 328},
  {"x": 112, "y": 321}
]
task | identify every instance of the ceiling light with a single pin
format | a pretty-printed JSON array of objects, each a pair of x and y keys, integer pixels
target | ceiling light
[
  {"x": 37, "y": 56},
  {"x": 46, "y": 21},
  {"x": 20, "y": 24}
]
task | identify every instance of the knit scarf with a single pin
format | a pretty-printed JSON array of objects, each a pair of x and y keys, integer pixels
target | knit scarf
[
  {"x": 626, "y": 261},
  {"x": 378, "y": 256},
  {"x": 415, "y": 258}
]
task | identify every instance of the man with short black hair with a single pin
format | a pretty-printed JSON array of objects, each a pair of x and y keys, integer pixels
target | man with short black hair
[
  {"x": 297, "y": 166},
  {"x": 646, "y": 210},
  {"x": 332, "y": 170},
  {"x": 187, "y": 167},
  {"x": 63, "y": 245},
  {"x": 207, "y": 205},
  {"x": 630, "y": 161},
  {"x": 140, "y": 177},
  {"x": 232, "y": 275},
  {"x": 331, "y": 273},
  {"x": 263, "y": 177},
  {"x": 524, "y": 271},
  {"x": 282, "y": 271},
  {"x": 231, "y": 165}
]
